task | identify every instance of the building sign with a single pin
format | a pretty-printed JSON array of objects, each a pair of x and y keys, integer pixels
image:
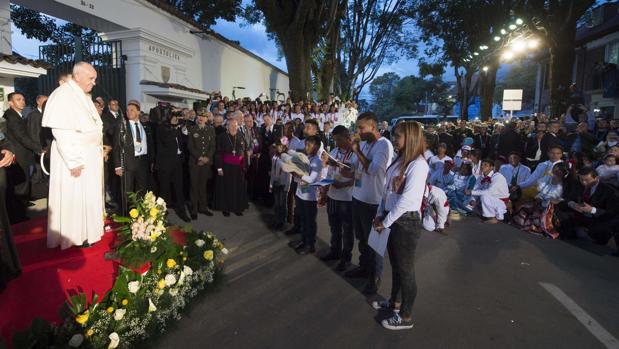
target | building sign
[
  {"x": 164, "y": 52},
  {"x": 1, "y": 94},
  {"x": 512, "y": 100}
]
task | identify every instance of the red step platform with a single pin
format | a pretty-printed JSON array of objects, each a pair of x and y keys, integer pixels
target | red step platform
[{"x": 50, "y": 276}]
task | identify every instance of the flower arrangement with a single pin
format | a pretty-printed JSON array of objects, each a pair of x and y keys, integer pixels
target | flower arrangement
[{"x": 143, "y": 300}]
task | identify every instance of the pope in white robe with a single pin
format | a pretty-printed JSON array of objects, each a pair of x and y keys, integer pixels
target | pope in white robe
[{"x": 76, "y": 201}]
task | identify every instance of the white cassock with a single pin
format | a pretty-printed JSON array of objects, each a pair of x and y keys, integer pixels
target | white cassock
[
  {"x": 435, "y": 215},
  {"x": 493, "y": 193},
  {"x": 75, "y": 204}
]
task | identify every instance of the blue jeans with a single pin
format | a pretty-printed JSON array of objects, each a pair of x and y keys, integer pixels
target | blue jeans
[
  {"x": 280, "y": 197},
  {"x": 340, "y": 222},
  {"x": 362, "y": 216}
]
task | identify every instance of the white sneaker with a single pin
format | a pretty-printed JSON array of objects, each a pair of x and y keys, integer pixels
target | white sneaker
[
  {"x": 397, "y": 323},
  {"x": 384, "y": 305}
]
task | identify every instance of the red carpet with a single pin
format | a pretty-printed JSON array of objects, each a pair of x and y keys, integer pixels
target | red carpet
[{"x": 49, "y": 276}]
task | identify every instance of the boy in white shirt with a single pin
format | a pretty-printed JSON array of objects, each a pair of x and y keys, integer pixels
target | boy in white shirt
[
  {"x": 435, "y": 215},
  {"x": 339, "y": 200},
  {"x": 492, "y": 192},
  {"x": 374, "y": 155},
  {"x": 307, "y": 196}
]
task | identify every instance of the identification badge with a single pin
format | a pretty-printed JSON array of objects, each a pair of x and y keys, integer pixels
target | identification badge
[
  {"x": 358, "y": 180},
  {"x": 195, "y": 135},
  {"x": 305, "y": 189}
]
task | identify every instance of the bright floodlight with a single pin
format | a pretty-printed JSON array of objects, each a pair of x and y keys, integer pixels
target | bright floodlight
[
  {"x": 518, "y": 46},
  {"x": 476, "y": 53},
  {"x": 512, "y": 27},
  {"x": 485, "y": 68},
  {"x": 519, "y": 21},
  {"x": 497, "y": 38},
  {"x": 503, "y": 31},
  {"x": 507, "y": 55},
  {"x": 533, "y": 43}
]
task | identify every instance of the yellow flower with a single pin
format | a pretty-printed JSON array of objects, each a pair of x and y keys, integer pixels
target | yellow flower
[
  {"x": 208, "y": 255},
  {"x": 125, "y": 302},
  {"x": 90, "y": 332},
  {"x": 82, "y": 318},
  {"x": 110, "y": 310},
  {"x": 153, "y": 212},
  {"x": 154, "y": 235},
  {"x": 170, "y": 263},
  {"x": 134, "y": 213},
  {"x": 180, "y": 253},
  {"x": 161, "y": 284},
  {"x": 184, "y": 258}
]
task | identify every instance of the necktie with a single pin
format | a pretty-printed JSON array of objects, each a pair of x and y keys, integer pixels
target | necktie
[
  {"x": 138, "y": 135},
  {"x": 586, "y": 195}
]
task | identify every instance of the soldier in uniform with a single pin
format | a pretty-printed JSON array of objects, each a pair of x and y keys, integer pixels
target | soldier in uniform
[{"x": 201, "y": 146}]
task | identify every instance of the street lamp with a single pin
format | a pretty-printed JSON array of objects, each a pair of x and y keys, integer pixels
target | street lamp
[
  {"x": 519, "y": 21},
  {"x": 508, "y": 55},
  {"x": 485, "y": 69},
  {"x": 518, "y": 46},
  {"x": 533, "y": 43}
]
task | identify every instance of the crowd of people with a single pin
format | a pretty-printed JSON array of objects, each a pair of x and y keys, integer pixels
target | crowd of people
[{"x": 556, "y": 177}]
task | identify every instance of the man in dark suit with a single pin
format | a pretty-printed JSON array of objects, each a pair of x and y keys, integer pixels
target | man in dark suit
[
  {"x": 326, "y": 137},
  {"x": 10, "y": 266},
  {"x": 481, "y": 141},
  {"x": 581, "y": 140},
  {"x": 550, "y": 139},
  {"x": 509, "y": 142},
  {"x": 111, "y": 117},
  {"x": 23, "y": 147},
  {"x": 39, "y": 181},
  {"x": 132, "y": 140},
  {"x": 269, "y": 133},
  {"x": 591, "y": 205}
]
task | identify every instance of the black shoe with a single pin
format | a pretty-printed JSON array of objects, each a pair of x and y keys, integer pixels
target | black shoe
[
  {"x": 206, "y": 212},
  {"x": 358, "y": 272},
  {"x": 341, "y": 265},
  {"x": 238, "y": 213},
  {"x": 86, "y": 245},
  {"x": 331, "y": 256},
  {"x": 292, "y": 231},
  {"x": 226, "y": 213},
  {"x": 295, "y": 244},
  {"x": 183, "y": 217},
  {"x": 371, "y": 288},
  {"x": 306, "y": 250},
  {"x": 194, "y": 216}
]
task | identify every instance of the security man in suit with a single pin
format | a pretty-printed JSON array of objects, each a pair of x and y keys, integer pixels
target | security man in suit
[{"x": 201, "y": 147}]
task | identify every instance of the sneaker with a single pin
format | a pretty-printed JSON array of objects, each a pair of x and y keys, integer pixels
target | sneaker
[
  {"x": 330, "y": 257},
  {"x": 397, "y": 323},
  {"x": 342, "y": 265},
  {"x": 358, "y": 272},
  {"x": 385, "y": 305}
]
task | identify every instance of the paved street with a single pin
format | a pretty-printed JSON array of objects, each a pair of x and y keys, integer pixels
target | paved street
[{"x": 479, "y": 287}]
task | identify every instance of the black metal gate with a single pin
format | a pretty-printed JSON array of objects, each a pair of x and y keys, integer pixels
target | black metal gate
[{"x": 105, "y": 56}]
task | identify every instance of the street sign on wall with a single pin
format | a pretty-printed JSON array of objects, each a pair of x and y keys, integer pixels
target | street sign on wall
[{"x": 512, "y": 100}]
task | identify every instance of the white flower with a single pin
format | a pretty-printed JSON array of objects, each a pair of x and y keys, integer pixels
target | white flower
[
  {"x": 114, "y": 340},
  {"x": 187, "y": 270},
  {"x": 119, "y": 314},
  {"x": 173, "y": 292},
  {"x": 159, "y": 292},
  {"x": 181, "y": 278},
  {"x": 224, "y": 250},
  {"x": 151, "y": 306},
  {"x": 153, "y": 249},
  {"x": 160, "y": 202},
  {"x": 76, "y": 340},
  {"x": 170, "y": 280},
  {"x": 134, "y": 286},
  {"x": 199, "y": 242}
]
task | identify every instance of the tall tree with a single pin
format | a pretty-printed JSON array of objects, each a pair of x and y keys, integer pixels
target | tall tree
[
  {"x": 555, "y": 22},
  {"x": 374, "y": 33},
  {"x": 298, "y": 27}
]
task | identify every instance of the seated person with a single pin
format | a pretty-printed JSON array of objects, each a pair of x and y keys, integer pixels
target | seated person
[
  {"x": 463, "y": 180},
  {"x": 515, "y": 172},
  {"x": 591, "y": 205},
  {"x": 609, "y": 170},
  {"x": 443, "y": 179},
  {"x": 491, "y": 193},
  {"x": 437, "y": 210},
  {"x": 536, "y": 216},
  {"x": 437, "y": 161},
  {"x": 543, "y": 169}
]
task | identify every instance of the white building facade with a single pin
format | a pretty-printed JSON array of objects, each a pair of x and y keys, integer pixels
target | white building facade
[{"x": 167, "y": 57}]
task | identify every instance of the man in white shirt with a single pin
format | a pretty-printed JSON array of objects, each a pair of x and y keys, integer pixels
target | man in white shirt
[
  {"x": 492, "y": 193},
  {"x": 544, "y": 169},
  {"x": 514, "y": 172},
  {"x": 374, "y": 155}
]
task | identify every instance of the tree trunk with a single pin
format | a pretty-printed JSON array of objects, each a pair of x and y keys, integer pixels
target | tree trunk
[
  {"x": 487, "y": 85},
  {"x": 298, "y": 60},
  {"x": 561, "y": 67}
]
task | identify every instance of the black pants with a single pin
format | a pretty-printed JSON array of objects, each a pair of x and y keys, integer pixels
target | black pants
[
  {"x": 600, "y": 229},
  {"x": 340, "y": 222},
  {"x": 136, "y": 179},
  {"x": 199, "y": 187},
  {"x": 308, "y": 212},
  {"x": 362, "y": 216},
  {"x": 402, "y": 244},
  {"x": 171, "y": 181}
]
